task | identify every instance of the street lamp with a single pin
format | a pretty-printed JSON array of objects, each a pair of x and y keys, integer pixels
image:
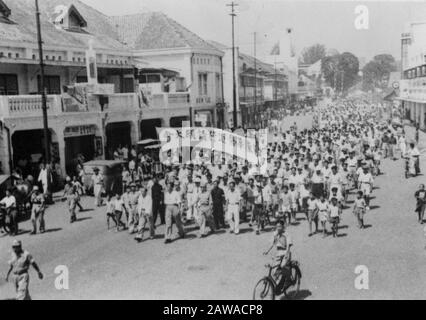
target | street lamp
[{"x": 43, "y": 89}]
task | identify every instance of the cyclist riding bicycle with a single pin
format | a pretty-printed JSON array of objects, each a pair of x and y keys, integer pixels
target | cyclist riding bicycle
[{"x": 282, "y": 242}]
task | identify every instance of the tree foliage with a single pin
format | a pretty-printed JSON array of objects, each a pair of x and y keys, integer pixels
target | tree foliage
[
  {"x": 312, "y": 54},
  {"x": 377, "y": 71},
  {"x": 340, "y": 71}
]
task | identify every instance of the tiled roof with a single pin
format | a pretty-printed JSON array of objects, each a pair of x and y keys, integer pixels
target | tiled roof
[
  {"x": 24, "y": 27},
  {"x": 155, "y": 30}
]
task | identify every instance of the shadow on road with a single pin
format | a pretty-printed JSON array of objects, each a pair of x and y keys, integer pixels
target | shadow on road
[
  {"x": 83, "y": 219},
  {"x": 53, "y": 230},
  {"x": 86, "y": 210},
  {"x": 246, "y": 230},
  {"x": 367, "y": 226},
  {"x": 302, "y": 295},
  {"x": 342, "y": 235},
  {"x": 22, "y": 232}
]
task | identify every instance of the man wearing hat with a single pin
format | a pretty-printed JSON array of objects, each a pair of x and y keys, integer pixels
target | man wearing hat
[
  {"x": 98, "y": 182},
  {"x": 37, "y": 211},
  {"x": 19, "y": 267},
  {"x": 233, "y": 205}
]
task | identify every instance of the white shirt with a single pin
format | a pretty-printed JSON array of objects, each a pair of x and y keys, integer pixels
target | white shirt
[
  {"x": 233, "y": 197},
  {"x": 145, "y": 205},
  {"x": 172, "y": 198},
  {"x": 9, "y": 202}
]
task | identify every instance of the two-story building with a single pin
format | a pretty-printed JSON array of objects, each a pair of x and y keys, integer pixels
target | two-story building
[
  {"x": 160, "y": 42},
  {"x": 130, "y": 96},
  {"x": 83, "y": 119}
]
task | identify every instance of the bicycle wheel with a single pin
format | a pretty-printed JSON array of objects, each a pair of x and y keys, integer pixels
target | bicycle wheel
[
  {"x": 292, "y": 291},
  {"x": 264, "y": 290}
]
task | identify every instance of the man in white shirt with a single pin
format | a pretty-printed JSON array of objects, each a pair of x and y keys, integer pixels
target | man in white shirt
[
  {"x": 145, "y": 215},
  {"x": 173, "y": 203},
  {"x": 98, "y": 182},
  {"x": 233, "y": 204}
]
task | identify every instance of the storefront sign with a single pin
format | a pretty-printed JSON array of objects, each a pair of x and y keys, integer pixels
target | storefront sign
[{"x": 79, "y": 131}]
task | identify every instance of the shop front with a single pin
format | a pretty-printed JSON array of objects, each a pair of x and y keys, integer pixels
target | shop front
[
  {"x": 80, "y": 143},
  {"x": 118, "y": 135}
]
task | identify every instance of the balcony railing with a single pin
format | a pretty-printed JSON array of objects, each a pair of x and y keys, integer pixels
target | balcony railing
[
  {"x": 28, "y": 105},
  {"x": 31, "y": 105}
]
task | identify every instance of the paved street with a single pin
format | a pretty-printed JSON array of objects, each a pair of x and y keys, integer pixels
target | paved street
[{"x": 109, "y": 265}]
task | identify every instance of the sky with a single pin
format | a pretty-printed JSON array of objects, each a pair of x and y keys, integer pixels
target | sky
[{"x": 331, "y": 23}]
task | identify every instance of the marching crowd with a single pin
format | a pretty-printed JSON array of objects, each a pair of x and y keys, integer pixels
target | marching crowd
[{"x": 309, "y": 172}]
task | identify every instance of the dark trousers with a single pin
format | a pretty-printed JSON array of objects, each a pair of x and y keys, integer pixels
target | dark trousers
[
  {"x": 218, "y": 216},
  {"x": 13, "y": 215},
  {"x": 157, "y": 208}
]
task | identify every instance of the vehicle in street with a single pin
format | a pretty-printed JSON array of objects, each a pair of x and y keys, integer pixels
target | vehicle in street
[
  {"x": 269, "y": 287},
  {"x": 111, "y": 171}
]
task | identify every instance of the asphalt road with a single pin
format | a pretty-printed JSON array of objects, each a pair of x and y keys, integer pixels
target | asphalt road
[{"x": 107, "y": 265}]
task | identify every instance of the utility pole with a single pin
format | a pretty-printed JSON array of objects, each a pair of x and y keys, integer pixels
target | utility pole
[
  {"x": 275, "y": 84},
  {"x": 234, "y": 80},
  {"x": 255, "y": 76},
  {"x": 43, "y": 89}
]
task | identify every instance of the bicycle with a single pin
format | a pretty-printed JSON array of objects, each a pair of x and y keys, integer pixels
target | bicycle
[{"x": 269, "y": 287}]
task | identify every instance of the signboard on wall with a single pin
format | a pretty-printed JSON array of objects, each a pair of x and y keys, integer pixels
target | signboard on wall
[
  {"x": 91, "y": 66},
  {"x": 79, "y": 131}
]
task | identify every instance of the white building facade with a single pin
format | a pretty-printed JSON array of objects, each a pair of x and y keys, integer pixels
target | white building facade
[{"x": 413, "y": 83}]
